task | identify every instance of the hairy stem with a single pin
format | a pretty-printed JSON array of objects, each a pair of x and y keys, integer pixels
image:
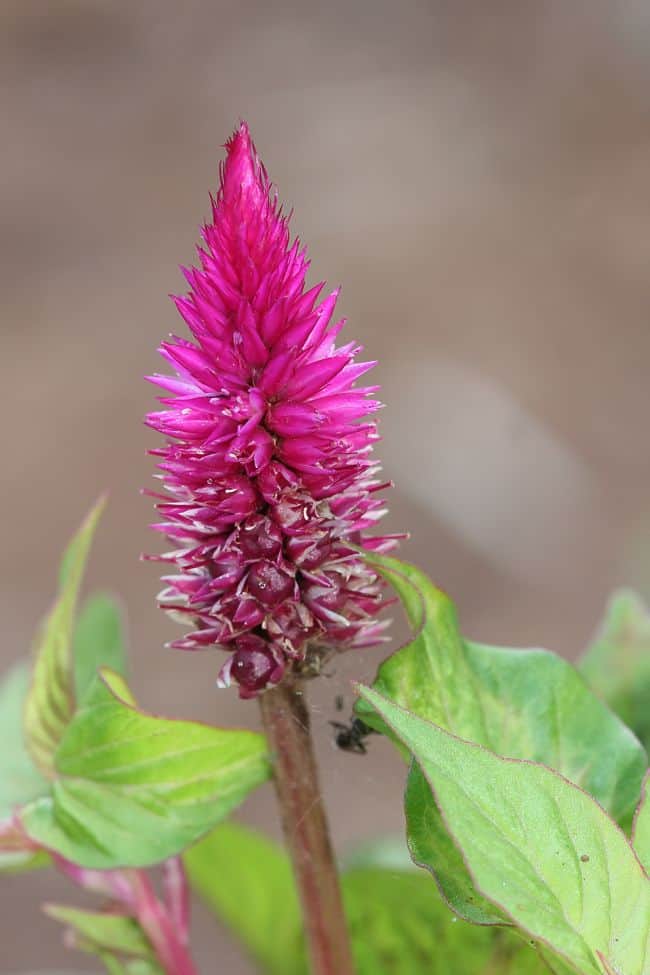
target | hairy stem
[{"x": 286, "y": 722}]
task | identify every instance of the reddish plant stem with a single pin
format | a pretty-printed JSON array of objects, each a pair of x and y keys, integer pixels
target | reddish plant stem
[
  {"x": 168, "y": 940},
  {"x": 286, "y": 722},
  {"x": 177, "y": 897},
  {"x": 165, "y": 924}
]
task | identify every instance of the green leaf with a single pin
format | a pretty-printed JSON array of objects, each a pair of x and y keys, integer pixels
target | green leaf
[
  {"x": 258, "y": 900},
  {"x": 115, "y": 684},
  {"x": 20, "y": 780},
  {"x": 113, "y": 965},
  {"x": 641, "y": 830},
  {"x": 398, "y": 924},
  {"x": 535, "y": 845},
  {"x": 99, "y": 931},
  {"x": 50, "y": 701},
  {"x": 133, "y": 789},
  {"x": 433, "y": 848},
  {"x": 526, "y": 704},
  {"x": 135, "y": 966},
  {"x": 141, "y": 967},
  {"x": 23, "y": 861},
  {"x": 522, "y": 704},
  {"x": 617, "y": 665},
  {"x": 388, "y": 852},
  {"x": 98, "y": 642}
]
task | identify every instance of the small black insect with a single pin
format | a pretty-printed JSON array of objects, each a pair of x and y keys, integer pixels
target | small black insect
[{"x": 350, "y": 737}]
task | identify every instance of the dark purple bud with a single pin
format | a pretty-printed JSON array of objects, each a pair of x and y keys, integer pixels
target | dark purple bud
[
  {"x": 309, "y": 551},
  {"x": 238, "y": 499},
  {"x": 259, "y": 538},
  {"x": 225, "y": 571},
  {"x": 254, "y": 665},
  {"x": 269, "y": 583}
]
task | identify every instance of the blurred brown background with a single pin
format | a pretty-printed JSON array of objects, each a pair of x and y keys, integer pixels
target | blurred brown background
[{"x": 474, "y": 173}]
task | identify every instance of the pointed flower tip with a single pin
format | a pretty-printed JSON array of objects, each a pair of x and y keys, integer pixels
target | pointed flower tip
[
  {"x": 243, "y": 169},
  {"x": 240, "y": 137}
]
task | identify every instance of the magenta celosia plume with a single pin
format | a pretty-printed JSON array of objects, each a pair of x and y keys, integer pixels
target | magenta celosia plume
[{"x": 268, "y": 465}]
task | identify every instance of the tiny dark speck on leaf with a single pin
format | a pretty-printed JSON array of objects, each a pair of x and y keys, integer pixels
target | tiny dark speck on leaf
[{"x": 584, "y": 858}]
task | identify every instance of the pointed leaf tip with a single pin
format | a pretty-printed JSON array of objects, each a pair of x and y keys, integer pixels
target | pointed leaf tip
[
  {"x": 102, "y": 931},
  {"x": 51, "y": 698},
  {"x": 78, "y": 547}
]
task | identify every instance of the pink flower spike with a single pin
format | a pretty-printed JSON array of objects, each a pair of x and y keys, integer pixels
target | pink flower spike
[{"x": 267, "y": 467}]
